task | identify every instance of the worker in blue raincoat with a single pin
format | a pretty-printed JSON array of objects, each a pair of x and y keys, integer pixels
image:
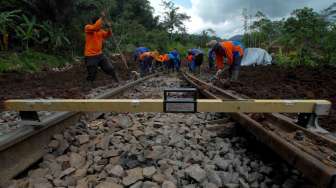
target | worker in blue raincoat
[
  {"x": 175, "y": 60},
  {"x": 195, "y": 59},
  {"x": 136, "y": 57},
  {"x": 211, "y": 59},
  {"x": 138, "y": 52}
]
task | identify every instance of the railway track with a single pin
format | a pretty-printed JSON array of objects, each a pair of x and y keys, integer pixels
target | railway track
[
  {"x": 313, "y": 155},
  {"x": 26, "y": 145}
]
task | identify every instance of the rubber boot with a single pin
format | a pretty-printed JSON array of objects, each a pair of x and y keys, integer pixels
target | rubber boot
[
  {"x": 234, "y": 75},
  {"x": 89, "y": 84},
  {"x": 114, "y": 76},
  {"x": 219, "y": 74}
]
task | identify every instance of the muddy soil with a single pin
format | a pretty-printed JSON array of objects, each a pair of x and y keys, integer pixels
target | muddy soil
[
  {"x": 274, "y": 82},
  {"x": 70, "y": 83}
]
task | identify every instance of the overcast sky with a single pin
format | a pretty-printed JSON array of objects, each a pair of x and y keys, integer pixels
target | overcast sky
[{"x": 224, "y": 16}]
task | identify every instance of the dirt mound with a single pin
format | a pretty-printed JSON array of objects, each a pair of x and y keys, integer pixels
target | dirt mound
[
  {"x": 70, "y": 83},
  {"x": 274, "y": 82}
]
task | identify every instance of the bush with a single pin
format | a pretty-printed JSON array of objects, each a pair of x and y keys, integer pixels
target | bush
[
  {"x": 294, "y": 59},
  {"x": 29, "y": 61},
  {"x": 183, "y": 49}
]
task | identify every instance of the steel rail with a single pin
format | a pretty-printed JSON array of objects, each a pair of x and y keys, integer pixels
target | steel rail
[
  {"x": 25, "y": 146},
  {"x": 313, "y": 156}
]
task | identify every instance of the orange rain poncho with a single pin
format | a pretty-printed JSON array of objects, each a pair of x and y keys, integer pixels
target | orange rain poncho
[
  {"x": 162, "y": 58},
  {"x": 94, "y": 38},
  {"x": 190, "y": 58},
  {"x": 154, "y": 55},
  {"x": 144, "y": 55},
  {"x": 165, "y": 57},
  {"x": 229, "y": 49}
]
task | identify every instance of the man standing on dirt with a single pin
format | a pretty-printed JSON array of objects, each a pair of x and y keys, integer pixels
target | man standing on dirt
[
  {"x": 94, "y": 38},
  {"x": 233, "y": 51}
]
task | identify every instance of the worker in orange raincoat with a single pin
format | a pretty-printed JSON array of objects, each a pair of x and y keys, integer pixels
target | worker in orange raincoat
[
  {"x": 164, "y": 58},
  {"x": 136, "y": 56},
  {"x": 146, "y": 60},
  {"x": 159, "y": 65},
  {"x": 233, "y": 51},
  {"x": 94, "y": 38}
]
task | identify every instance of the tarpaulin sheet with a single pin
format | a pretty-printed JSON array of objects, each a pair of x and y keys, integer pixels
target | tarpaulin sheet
[{"x": 256, "y": 56}]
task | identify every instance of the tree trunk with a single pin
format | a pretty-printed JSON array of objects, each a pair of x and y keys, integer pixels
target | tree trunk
[
  {"x": 5, "y": 41},
  {"x": 27, "y": 45},
  {"x": 1, "y": 45}
]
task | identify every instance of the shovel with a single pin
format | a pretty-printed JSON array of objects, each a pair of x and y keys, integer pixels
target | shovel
[
  {"x": 114, "y": 40},
  {"x": 121, "y": 54}
]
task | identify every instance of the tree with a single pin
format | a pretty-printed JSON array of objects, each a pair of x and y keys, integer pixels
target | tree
[
  {"x": 139, "y": 11},
  {"x": 60, "y": 11},
  {"x": 27, "y": 30},
  {"x": 329, "y": 45},
  {"x": 206, "y": 36},
  {"x": 304, "y": 30},
  {"x": 53, "y": 36},
  {"x": 266, "y": 30},
  {"x": 306, "y": 36},
  {"x": 6, "y": 22},
  {"x": 173, "y": 19}
]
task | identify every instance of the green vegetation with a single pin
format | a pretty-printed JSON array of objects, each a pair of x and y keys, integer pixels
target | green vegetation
[
  {"x": 305, "y": 38},
  {"x": 33, "y": 28},
  {"x": 6, "y": 23},
  {"x": 56, "y": 27},
  {"x": 29, "y": 61}
]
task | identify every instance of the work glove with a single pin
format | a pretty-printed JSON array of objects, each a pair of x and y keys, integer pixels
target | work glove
[
  {"x": 213, "y": 78},
  {"x": 219, "y": 73},
  {"x": 103, "y": 14},
  {"x": 109, "y": 23}
]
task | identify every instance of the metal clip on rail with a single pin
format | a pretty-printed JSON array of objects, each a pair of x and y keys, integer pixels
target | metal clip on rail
[
  {"x": 310, "y": 120},
  {"x": 29, "y": 116},
  {"x": 181, "y": 100}
]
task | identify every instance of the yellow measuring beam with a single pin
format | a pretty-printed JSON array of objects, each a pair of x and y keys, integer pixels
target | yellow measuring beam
[
  {"x": 320, "y": 107},
  {"x": 87, "y": 105}
]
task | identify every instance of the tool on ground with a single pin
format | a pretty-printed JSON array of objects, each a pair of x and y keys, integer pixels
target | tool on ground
[
  {"x": 104, "y": 13},
  {"x": 119, "y": 50}
]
